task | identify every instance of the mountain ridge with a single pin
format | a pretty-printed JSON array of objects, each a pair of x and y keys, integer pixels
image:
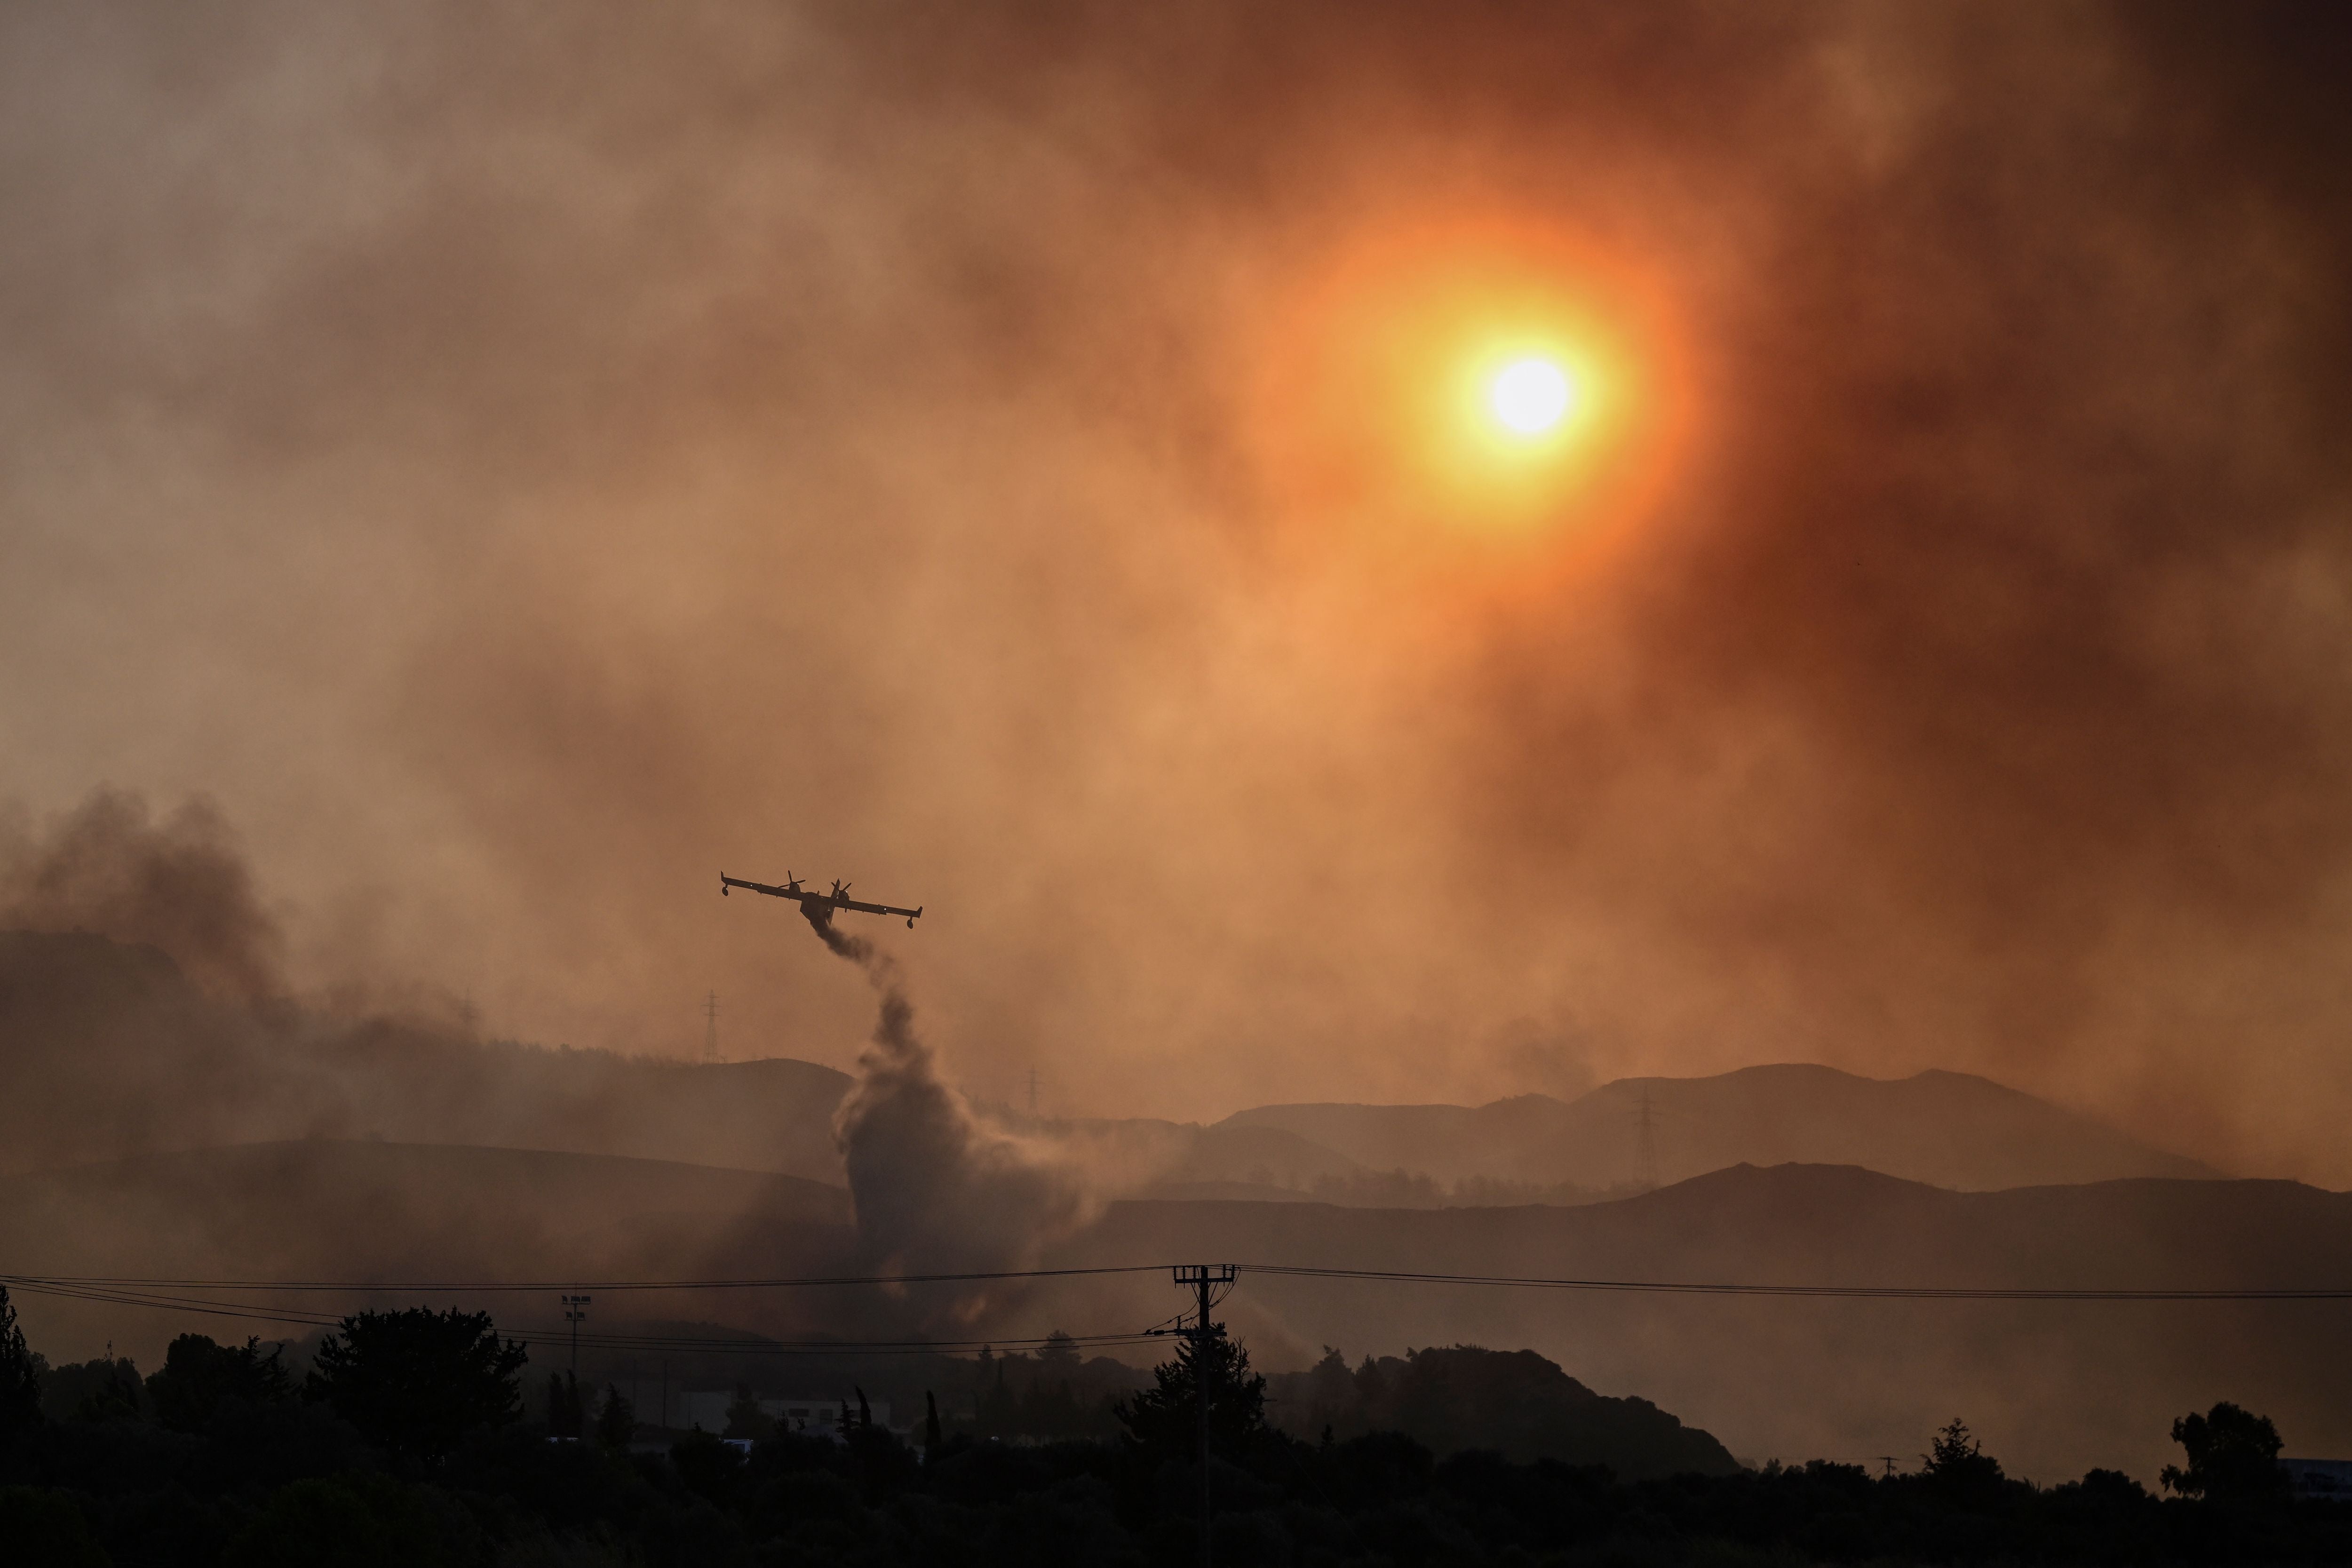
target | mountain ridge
[
  {"x": 1949, "y": 1129},
  {"x": 110, "y": 1052}
]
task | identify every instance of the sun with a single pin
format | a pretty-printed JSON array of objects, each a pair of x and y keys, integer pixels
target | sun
[
  {"x": 1530, "y": 395},
  {"x": 1448, "y": 382}
]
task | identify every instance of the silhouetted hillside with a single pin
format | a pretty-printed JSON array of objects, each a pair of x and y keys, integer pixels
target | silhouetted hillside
[
  {"x": 1513, "y": 1402},
  {"x": 332, "y": 1211},
  {"x": 1948, "y": 1129}
]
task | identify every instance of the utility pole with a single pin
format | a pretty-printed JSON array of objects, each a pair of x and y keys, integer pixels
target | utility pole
[
  {"x": 1204, "y": 1278},
  {"x": 710, "y": 1028},
  {"x": 1033, "y": 1094},
  {"x": 575, "y": 1313},
  {"x": 1888, "y": 1460}
]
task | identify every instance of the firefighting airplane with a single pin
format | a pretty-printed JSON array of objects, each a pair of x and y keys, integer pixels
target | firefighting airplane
[{"x": 820, "y": 905}]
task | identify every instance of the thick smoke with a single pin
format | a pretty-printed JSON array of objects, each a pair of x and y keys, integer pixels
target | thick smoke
[
  {"x": 937, "y": 1191},
  {"x": 142, "y": 1010},
  {"x": 180, "y": 884},
  {"x": 510, "y": 461}
]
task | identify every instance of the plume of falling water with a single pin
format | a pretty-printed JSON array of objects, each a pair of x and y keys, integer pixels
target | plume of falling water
[{"x": 936, "y": 1188}]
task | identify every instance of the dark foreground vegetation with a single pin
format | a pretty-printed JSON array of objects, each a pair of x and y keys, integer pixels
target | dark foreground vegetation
[{"x": 409, "y": 1444}]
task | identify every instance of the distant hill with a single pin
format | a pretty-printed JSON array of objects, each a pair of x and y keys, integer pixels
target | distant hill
[
  {"x": 1947, "y": 1129},
  {"x": 328, "y": 1210},
  {"x": 1513, "y": 1403},
  {"x": 109, "y": 1053},
  {"x": 1140, "y": 1154}
]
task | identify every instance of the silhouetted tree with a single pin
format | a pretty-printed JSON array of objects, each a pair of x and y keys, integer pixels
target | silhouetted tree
[
  {"x": 1958, "y": 1465},
  {"x": 1164, "y": 1420},
  {"x": 996, "y": 1412},
  {"x": 615, "y": 1422},
  {"x": 200, "y": 1377},
  {"x": 88, "y": 1390},
  {"x": 20, "y": 1374},
  {"x": 1330, "y": 1389},
  {"x": 415, "y": 1382},
  {"x": 745, "y": 1419},
  {"x": 46, "y": 1528},
  {"x": 354, "y": 1520},
  {"x": 707, "y": 1464},
  {"x": 1051, "y": 1410},
  {"x": 113, "y": 1395},
  {"x": 2232, "y": 1457},
  {"x": 564, "y": 1417}
]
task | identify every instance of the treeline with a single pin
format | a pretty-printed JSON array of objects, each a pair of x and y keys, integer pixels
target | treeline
[
  {"x": 408, "y": 1443},
  {"x": 1053, "y": 1394}
]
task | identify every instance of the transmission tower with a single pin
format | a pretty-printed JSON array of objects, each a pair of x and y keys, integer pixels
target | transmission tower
[{"x": 710, "y": 1028}]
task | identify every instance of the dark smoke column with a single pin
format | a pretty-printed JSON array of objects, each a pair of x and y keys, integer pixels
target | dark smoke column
[{"x": 936, "y": 1192}]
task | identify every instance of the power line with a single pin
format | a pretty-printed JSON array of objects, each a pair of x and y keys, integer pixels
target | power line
[
  {"x": 489, "y": 1286},
  {"x": 1882, "y": 1292},
  {"x": 1285, "y": 1270}
]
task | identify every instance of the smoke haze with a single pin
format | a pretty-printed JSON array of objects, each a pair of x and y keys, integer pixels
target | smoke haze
[
  {"x": 181, "y": 885},
  {"x": 935, "y": 1190},
  {"x": 516, "y": 466}
]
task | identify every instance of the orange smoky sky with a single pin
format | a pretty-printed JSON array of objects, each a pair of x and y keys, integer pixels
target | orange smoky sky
[{"x": 516, "y": 464}]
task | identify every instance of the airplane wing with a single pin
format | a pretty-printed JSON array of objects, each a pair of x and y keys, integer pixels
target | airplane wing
[
  {"x": 726, "y": 881},
  {"x": 875, "y": 909}
]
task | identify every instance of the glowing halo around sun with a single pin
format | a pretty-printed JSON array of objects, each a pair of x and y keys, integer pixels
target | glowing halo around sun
[
  {"x": 1470, "y": 395},
  {"x": 1531, "y": 396}
]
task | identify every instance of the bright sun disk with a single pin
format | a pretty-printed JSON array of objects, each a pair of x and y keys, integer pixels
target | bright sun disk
[{"x": 1530, "y": 395}]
